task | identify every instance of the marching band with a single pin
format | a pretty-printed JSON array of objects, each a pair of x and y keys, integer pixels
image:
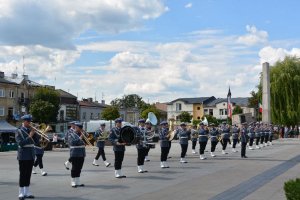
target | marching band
[{"x": 30, "y": 151}]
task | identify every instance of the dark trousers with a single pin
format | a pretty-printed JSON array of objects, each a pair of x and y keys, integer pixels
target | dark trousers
[
  {"x": 257, "y": 141},
  {"x": 262, "y": 138},
  {"x": 213, "y": 146},
  {"x": 101, "y": 153},
  {"x": 184, "y": 148},
  {"x": 141, "y": 156},
  {"x": 194, "y": 143},
  {"x": 164, "y": 153},
  {"x": 266, "y": 138},
  {"x": 234, "y": 142},
  {"x": 271, "y": 138},
  {"x": 25, "y": 168},
  {"x": 119, "y": 157},
  {"x": 70, "y": 160},
  {"x": 170, "y": 144},
  {"x": 38, "y": 161},
  {"x": 243, "y": 149},
  {"x": 224, "y": 143},
  {"x": 77, "y": 163},
  {"x": 202, "y": 147},
  {"x": 251, "y": 142},
  {"x": 147, "y": 151}
]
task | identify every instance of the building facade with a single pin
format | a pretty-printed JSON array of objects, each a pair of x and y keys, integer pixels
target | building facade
[{"x": 90, "y": 110}]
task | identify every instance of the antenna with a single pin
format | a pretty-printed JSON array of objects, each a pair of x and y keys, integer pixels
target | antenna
[{"x": 23, "y": 65}]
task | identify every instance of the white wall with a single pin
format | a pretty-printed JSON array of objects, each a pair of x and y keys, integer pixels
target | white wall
[{"x": 173, "y": 113}]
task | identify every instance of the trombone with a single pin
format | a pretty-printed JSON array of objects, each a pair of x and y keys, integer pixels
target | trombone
[
  {"x": 86, "y": 139},
  {"x": 40, "y": 132}
]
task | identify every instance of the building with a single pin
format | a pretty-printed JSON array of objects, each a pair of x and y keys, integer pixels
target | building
[
  {"x": 90, "y": 110},
  {"x": 195, "y": 106},
  {"x": 8, "y": 98},
  {"x": 218, "y": 107},
  {"x": 163, "y": 108}
]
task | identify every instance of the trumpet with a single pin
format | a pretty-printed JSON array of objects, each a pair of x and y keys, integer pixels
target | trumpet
[
  {"x": 85, "y": 138},
  {"x": 40, "y": 132}
]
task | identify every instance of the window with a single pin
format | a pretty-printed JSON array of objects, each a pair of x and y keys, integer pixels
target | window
[
  {"x": 91, "y": 116},
  {"x": 2, "y": 93},
  {"x": 1, "y": 111},
  {"x": 11, "y": 94},
  {"x": 211, "y": 112},
  {"x": 83, "y": 115},
  {"x": 178, "y": 106},
  {"x": 221, "y": 112},
  {"x": 225, "y": 110},
  {"x": 198, "y": 117},
  {"x": 198, "y": 108},
  {"x": 205, "y": 111}
]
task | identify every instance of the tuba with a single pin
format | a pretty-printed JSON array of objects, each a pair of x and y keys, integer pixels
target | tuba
[{"x": 171, "y": 133}]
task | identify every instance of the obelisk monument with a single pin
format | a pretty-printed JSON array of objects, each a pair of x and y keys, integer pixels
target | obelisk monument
[{"x": 266, "y": 107}]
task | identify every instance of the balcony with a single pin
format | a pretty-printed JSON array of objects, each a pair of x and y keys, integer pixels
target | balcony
[{"x": 23, "y": 101}]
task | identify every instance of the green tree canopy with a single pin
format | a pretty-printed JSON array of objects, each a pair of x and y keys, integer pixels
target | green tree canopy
[
  {"x": 129, "y": 101},
  {"x": 237, "y": 110},
  {"x": 110, "y": 113},
  {"x": 185, "y": 117},
  {"x": 45, "y": 105},
  {"x": 144, "y": 113},
  {"x": 211, "y": 119},
  {"x": 285, "y": 92}
]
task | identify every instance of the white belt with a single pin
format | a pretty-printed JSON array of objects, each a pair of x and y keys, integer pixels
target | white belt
[
  {"x": 213, "y": 136},
  {"x": 77, "y": 147},
  {"x": 183, "y": 137},
  {"x": 29, "y": 145},
  {"x": 38, "y": 147},
  {"x": 203, "y": 136}
]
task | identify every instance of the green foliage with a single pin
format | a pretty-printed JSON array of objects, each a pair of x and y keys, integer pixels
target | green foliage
[
  {"x": 285, "y": 92},
  {"x": 185, "y": 116},
  {"x": 211, "y": 119},
  {"x": 195, "y": 122},
  {"x": 144, "y": 113},
  {"x": 45, "y": 105},
  {"x": 292, "y": 189},
  {"x": 110, "y": 113},
  {"x": 129, "y": 101},
  {"x": 237, "y": 110}
]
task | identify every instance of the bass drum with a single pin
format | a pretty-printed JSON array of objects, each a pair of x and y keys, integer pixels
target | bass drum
[{"x": 130, "y": 134}]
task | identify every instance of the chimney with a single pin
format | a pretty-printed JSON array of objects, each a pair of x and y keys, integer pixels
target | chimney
[
  {"x": 103, "y": 102},
  {"x": 14, "y": 75},
  {"x": 90, "y": 99},
  {"x": 25, "y": 77},
  {"x": 1, "y": 74}
]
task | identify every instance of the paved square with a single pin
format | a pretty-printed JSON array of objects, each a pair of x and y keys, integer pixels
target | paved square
[{"x": 261, "y": 176}]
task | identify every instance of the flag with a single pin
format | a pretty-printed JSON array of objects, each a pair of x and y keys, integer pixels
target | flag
[
  {"x": 260, "y": 107},
  {"x": 229, "y": 106}
]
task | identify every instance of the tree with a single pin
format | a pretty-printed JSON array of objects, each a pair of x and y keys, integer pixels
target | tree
[
  {"x": 129, "y": 101},
  {"x": 45, "y": 105},
  {"x": 144, "y": 113},
  {"x": 211, "y": 119},
  {"x": 285, "y": 92},
  {"x": 237, "y": 110},
  {"x": 185, "y": 116},
  {"x": 110, "y": 113}
]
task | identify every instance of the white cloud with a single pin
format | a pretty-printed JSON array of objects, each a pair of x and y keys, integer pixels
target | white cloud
[
  {"x": 55, "y": 23},
  {"x": 272, "y": 55},
  {"x": 189, "y": 5},
  {"x": 253, "y": 37}
]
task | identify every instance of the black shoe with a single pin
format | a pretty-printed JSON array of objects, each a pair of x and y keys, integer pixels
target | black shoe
[
  {"x": 74, "y": 186},
  {"x": 123, "y": 176},
  {"x": 21, "y": 198},
  {"x": 145, "y": 171},
  {"x": 29, "y": 197},
  {"x": 81, "y": 185}
]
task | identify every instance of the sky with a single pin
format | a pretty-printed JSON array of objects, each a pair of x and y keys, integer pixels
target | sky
[{"x": 158, "y": 49}]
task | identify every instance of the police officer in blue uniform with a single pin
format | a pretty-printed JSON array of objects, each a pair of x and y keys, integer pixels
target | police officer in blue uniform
[
  {"x": 203, "y": 138},
  {"x": 39, "y": 153},
  {"x": 266, "y": 130},
  {"x": 194, "y": 138},
  {"x": 244, "y": 140},
  {"x": 257, "y": 135},
  {"x": 183, "y": 135},
  {"x": 271, "y": 130},
  {"x": 25, "y": 138},
  {"x": 99, "y": 137},
  {"x": 77, "y": 153},
  {"x": 213, "y": 134},
  {"x": 71, "y": 130},
  {"x": 251, "y": 135},
  {"x": 118, "y": 147},
  {"x": 235, "y": 137},
  {"x": 225, "y": 136},
  {"x": 141, "y": 146},
  {"x": 164, "y": 144},
  {"x": 262, "y": 135},
  {"x": 148, "y": 126}
]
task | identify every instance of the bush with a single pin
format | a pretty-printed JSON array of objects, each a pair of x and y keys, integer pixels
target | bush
[{"x": 292, "y": 189}]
